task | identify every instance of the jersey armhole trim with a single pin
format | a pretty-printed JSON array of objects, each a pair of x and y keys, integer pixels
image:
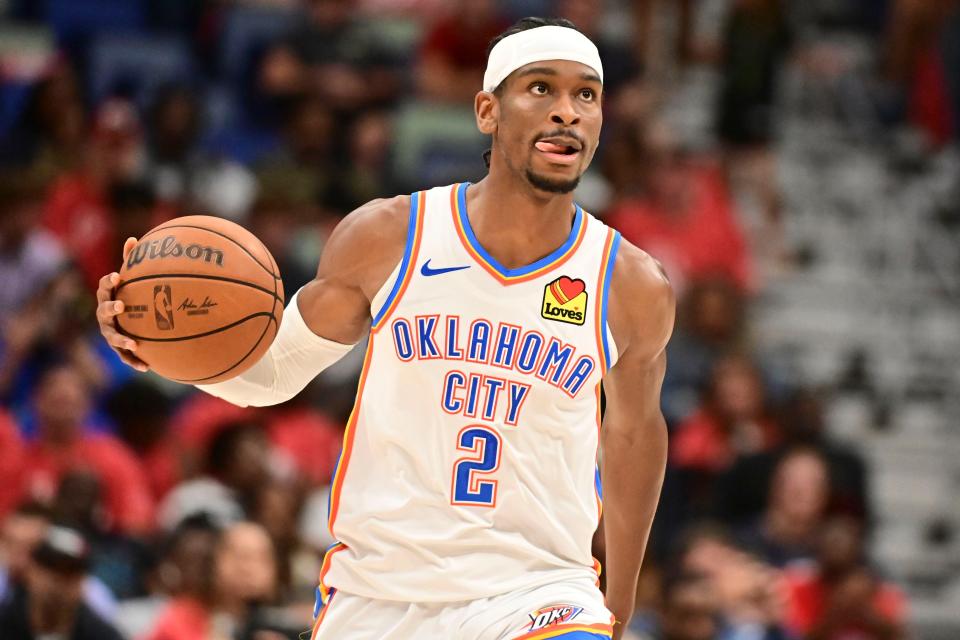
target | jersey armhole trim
[
  {"x": 410, "y": 251},
  {"x": 605, "y": 343}
]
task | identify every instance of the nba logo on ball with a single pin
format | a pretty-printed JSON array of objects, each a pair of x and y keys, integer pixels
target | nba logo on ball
[
  {"x": 565, "y": 300},
  {"x": 162, "y": 307}
]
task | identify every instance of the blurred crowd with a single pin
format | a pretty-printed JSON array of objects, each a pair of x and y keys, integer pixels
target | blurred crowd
[{"x": 134, "y": 508}]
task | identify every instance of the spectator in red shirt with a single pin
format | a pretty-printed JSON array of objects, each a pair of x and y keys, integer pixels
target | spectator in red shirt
[
  {"x": 710, "y": 323},
  {"x": 62, "y": 402},
  {"x": 141, "y": 412},
  {"x": 11, "y": 463},
  {"x": 731, "y": 421},
  {"x": 453, "y": 55},
  {"x": 237, "y": 464},
  {"x": 683, "y": 215},
  {"x": 243, "y": 575},
  {"x": 182, "y": 585},
  {"x": 78, "y": 210},
  {"x": 841, "y": 598},
  {"x": 303, "y": 437}
]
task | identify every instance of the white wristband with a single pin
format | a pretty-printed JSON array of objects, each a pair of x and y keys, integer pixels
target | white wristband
[{"x": 296, "y": 357}]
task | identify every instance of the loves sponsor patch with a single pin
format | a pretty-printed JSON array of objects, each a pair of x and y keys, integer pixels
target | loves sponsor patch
[{"x": 565, "y": 300}]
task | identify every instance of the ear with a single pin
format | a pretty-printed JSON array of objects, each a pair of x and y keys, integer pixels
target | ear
[{"x": 486, "y": 107}]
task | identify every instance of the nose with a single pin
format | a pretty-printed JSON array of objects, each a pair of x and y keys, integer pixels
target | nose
[{"x": 564, "y": 113}]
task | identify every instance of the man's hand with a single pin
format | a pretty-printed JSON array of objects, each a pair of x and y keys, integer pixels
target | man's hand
[
  {"x": 622, "y": 612},
  {"x": 108, "y": 309}
]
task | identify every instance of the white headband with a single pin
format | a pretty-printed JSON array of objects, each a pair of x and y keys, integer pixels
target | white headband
[{"x": 537, "y": 45}]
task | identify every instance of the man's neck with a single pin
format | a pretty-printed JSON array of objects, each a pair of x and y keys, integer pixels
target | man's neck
[
  {"x": 516, "y": 223},
  {"x": 52, "y": 620}
]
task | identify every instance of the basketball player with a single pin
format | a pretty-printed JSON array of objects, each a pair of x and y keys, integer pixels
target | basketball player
[{"x": 467, "y": 492}]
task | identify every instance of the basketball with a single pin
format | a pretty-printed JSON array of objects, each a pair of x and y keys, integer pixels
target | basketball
[{"x": 202, "y": 297}]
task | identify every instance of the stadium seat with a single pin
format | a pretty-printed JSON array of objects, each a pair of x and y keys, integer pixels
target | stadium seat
[
  {"x": 137, "y": 65},
  {"x": 248, "y": 30},
  {"x": 244, "y": 144},
  {"x": 401, "y": 36},
  {"x": 516, "y": 9},
  {"x": 436, "y": 144},
  {"x": 75, "y": 18}
]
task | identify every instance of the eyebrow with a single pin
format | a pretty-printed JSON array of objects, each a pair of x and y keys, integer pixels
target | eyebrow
[
  {"x": 537, "y": 71},
  {"x": 547, "y": 71}
]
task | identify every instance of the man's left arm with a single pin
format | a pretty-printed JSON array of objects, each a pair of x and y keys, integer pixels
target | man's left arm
[{"x": 634, "y": 436}]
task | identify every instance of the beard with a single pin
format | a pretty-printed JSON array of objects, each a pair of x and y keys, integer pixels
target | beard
[{"x": 551, "y": 186}]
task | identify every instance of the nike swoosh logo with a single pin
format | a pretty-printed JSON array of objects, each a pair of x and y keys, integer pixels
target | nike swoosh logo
[{"x": 427, "y": 271}]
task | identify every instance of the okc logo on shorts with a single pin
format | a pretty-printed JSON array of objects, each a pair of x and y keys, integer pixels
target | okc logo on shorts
[
  {"x": 554, "y": 614},
  {"x": 565, "y": 300}
]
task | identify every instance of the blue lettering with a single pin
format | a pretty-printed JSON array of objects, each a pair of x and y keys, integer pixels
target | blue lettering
[
  {"x": 507, "y": 336},
  {"x": 555, "y": 361},
  {"x": 479, "y": 348},
  {"x": 581, "y": 371},
  {"x": 516, "y": 394},
  {"x": 402, "y": 340},
  {"x": 426, "y": 327},
  {"x": 529, "y": 352},
  {"x": 493, "y": 385},
  {"x": 454, "y": 352},
  {"x": 473, "y": 393},
  {"x": 454, "y": 380}
]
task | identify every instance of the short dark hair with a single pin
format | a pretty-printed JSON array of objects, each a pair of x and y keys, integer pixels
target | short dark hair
[
  {"x": 200, "y": 522},
  {"x": 223, "y": 445},
  {"x": 21, "y": 186},
  {"x": 32, "y": 509}
]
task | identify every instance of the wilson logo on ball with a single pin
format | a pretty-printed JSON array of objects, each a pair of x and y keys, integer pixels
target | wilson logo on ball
[{"x": 169, "y": 247}]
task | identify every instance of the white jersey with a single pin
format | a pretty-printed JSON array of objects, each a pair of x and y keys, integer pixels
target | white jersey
[{"x": 469, "y": 462}]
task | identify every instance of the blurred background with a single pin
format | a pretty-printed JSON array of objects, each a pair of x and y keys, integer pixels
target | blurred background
[{"x": 793, "y": 164}]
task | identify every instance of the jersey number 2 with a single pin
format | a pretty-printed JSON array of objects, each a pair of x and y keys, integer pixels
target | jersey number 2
[{"x": 469, "y": 488}]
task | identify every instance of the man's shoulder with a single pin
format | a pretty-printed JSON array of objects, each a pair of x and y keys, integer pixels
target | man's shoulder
[
  {"x": 640, "y": 277},
  {"x": 642, "y": 301},
  {"x": 634, "y": 268},
  {"x": 378, "y": 223},
  {"x": 381, "y": 209}
]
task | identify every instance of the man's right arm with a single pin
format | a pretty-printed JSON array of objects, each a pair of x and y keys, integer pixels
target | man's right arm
[{"x": 321, "y": 322}]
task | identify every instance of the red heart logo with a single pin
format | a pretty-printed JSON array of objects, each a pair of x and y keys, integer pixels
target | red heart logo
[{"x": 567, "y": 289}]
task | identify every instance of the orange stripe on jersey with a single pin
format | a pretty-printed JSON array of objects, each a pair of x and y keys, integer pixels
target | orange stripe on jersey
[
  {"x": 325, "y": 568},
  {"x": 560, "y": 629},
  {"x": 458, "y": 222},
  {"x": 600, "y": 324},
  {"x": 316, "y": 624},
  {"x": 348, "y": 436},
  {"x": 408, "y": 269},
  {"x": 349, "y": 432}
]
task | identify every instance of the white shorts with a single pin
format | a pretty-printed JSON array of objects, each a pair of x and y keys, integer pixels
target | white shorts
[{"x": 572, "y": 610}]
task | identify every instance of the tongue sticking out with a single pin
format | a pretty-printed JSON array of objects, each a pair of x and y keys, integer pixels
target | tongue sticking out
[{"x": 549, "y": 147}]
